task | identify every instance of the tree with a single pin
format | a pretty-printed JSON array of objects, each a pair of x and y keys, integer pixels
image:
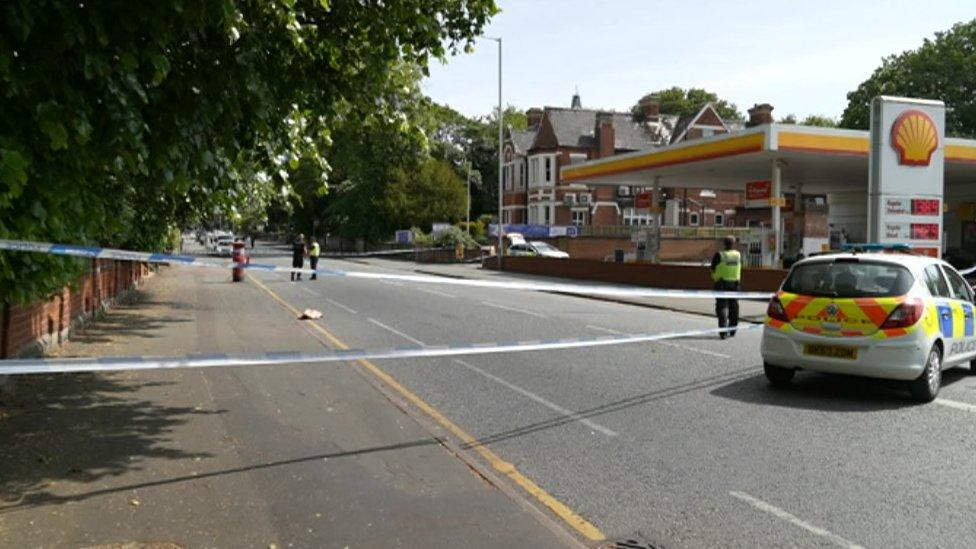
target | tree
[
  {"x": 123, "y": 119},
  {"x": 943, "y": 68},
  {"x": 788, "y": 119},
  {"x": 423, "y": 197},
  {"x": 459, "y": 139},
  {"x": 676, "y": 100},
  {"x": 819, "y": 120}
]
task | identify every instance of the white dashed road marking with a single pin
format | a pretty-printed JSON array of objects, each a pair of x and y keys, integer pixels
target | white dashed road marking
[
  {"x": 393, "y": 330},
  {"x": 341, "y": 306},
  {"x": 955, "y": 404},
  {"x": 435, "y": 292},
  {"x": 526, "y": 393},
  {"x": 668, "y": 343},
  {"x": 795, "y": 521},
  {"x": 513, "y": 309}
]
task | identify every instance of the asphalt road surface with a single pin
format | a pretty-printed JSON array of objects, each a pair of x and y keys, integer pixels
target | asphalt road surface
[{"x": 679, "y": 443}]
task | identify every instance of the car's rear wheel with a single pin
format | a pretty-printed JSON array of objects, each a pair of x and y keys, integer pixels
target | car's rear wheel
[
  {"x": 777, "y": 375},
  {"x": 926, "y": 387}
]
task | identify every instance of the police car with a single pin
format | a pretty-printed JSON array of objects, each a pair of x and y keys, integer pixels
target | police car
[{"x": 882, "y": 315}]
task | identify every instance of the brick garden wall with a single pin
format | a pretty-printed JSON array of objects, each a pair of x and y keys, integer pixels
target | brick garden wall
[
  {"x": 31, "y": 329},
  {"x": 638, "y": 274}
]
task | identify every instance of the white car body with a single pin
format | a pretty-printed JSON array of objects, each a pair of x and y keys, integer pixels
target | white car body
[
  {"x": 547, "y": 250},
  {"x": 854, "y": 335},
  {"x": 224, "y": 246}
]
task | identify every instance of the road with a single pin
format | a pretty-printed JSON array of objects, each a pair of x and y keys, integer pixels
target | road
[{"x": 678, "y": 443}]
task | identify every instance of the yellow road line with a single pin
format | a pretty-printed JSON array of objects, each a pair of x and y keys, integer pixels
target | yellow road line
[{"x": 581, "y": 525}]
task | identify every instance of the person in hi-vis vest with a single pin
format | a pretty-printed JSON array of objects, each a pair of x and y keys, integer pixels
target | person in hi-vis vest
[
  {"x": 313, "y": 256},
  {"x": 726, "y": 274}
]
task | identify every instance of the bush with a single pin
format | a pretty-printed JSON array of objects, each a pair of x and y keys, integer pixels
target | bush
[{"x": 448, "y": 238}]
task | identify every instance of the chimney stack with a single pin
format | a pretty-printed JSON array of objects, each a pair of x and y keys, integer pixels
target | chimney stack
[
  {"x": 760, "y": 114},
  {"x": 650, "y": 106},
  {"x": 605, "y": 134},
  {"x": 533, "y": 117}
]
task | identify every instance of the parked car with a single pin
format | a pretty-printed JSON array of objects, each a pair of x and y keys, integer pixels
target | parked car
[
  {"x": 536, "y": 249},
  {"x": 224, "y": 246},
  {"x": 543, "y": 249},
  {"x": 888, "y": 316},
  {"x": 521, "y": 250}
]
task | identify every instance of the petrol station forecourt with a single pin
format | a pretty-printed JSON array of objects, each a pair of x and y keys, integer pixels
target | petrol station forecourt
[{"x": 799, "y": 159}]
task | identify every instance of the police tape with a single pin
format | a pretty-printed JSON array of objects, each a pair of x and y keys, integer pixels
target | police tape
[
  {"x": 192, "y": 261},
  {"x": 379, "y": 253},
  {"x": 115, "y": 364}
]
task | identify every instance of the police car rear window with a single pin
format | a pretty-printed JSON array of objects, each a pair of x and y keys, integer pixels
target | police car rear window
[{"x": 849, "y": 279}]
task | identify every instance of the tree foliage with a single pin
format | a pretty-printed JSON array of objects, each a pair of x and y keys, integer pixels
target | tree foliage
[
  {"x": 810, "y": 120},
  {"x": 121, "y": 120},
  {"x": 941, "y": 68},
  {"x": 680, "y": 101},
  {"x": 819, "y": 120}
]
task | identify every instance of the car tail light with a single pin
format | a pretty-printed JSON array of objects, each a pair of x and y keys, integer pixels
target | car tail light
[
  {"x": 906, "y": 314},
  {"x": 776, "y": 310}
]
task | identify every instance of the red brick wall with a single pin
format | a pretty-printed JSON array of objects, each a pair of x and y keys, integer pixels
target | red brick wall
[
  {"x": 672, "y": 249},
  {"x": 47, "y": 323},
  {"x": 655, "y": 276},
  {"x": 606, "y": 139}
]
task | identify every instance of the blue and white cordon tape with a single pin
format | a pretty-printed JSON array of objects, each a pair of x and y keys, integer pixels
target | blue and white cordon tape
[
  {"x": 112, "y": 364},
  {"x": 192, "y": 261},
  {"x": 404, "y": 251}
]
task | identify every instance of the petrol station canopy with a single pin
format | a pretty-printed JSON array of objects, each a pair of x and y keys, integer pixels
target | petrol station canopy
[{"x": 824, "y": 160}]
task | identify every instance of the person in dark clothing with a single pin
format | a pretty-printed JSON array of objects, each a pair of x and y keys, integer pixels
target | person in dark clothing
[
  {"x": 727, "y": 274},
  {"x": 298, "y": 252}
]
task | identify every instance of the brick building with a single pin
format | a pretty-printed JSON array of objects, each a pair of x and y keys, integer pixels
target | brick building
[{"x": 558, "y": 137}]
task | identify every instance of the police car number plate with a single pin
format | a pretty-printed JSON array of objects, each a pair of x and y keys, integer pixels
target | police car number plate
[{"x": 830, "y": 351}]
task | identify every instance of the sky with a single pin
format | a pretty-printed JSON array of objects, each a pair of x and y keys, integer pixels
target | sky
[{"x": 800, "y": 56}]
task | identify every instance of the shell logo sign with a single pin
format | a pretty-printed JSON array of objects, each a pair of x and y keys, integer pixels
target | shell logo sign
[{"x": 915, "y": 137}]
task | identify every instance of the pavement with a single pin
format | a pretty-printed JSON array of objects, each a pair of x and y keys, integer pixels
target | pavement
[
  {"x": 678, "y": 443},
  {"x": 295, "y": 456}
]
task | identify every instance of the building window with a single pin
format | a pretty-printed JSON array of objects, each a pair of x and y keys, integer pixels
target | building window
[
  {"x": 579, "y": 217},
  {"x": 719, "y": 220},
  {"x": 548, "y": 169},
  {"x": 547, "y": 221},
  {"x": 693, "y": 219},
  {"x": 631, "y": 217}
]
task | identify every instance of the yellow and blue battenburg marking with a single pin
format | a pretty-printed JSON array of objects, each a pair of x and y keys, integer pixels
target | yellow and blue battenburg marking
[{"x": 845, "y": 317}]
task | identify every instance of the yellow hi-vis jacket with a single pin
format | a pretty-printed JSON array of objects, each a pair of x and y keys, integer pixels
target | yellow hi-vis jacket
[
  {"x": 314, "y": 250},
  {"x": 729, "y": 267}
]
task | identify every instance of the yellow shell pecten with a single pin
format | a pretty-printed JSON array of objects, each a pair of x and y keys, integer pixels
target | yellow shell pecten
[{"x": 915, "y": 138}]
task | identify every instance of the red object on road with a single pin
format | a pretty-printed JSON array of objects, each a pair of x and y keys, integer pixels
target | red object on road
[{"x": 240, "y": 257}]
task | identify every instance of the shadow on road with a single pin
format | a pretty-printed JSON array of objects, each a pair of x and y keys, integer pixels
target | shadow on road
[
  {"x": 615, "y": 406},
  {"x": 139, "y": 317},
  {"x": 59, "y": 499},
  {"x": 80, "y": 428},
  {"x": 827, "y": 393}
]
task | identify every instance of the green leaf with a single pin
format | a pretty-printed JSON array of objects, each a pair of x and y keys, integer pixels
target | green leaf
[{"x": 56, "y": 133}]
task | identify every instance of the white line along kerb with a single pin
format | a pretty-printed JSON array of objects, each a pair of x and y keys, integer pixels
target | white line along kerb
[
  {"x": 112, "y": 364},
  {"x": 191, "y": 261}
]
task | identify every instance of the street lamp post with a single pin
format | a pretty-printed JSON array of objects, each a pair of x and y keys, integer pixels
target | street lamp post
[
  {"x": 500, "y": 156},
  {"x": 468, "y": 214}
]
